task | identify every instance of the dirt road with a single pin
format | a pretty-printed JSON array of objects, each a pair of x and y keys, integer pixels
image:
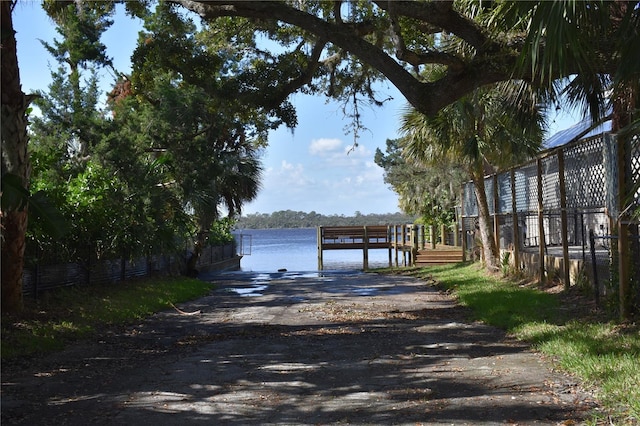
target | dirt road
[{"x": 299, "y": 349}]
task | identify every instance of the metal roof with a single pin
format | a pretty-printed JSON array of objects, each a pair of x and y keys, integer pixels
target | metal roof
[{"x": 579, "y": 130}]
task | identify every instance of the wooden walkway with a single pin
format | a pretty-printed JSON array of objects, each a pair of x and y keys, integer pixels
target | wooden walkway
[{"x": 405, "y": 241}]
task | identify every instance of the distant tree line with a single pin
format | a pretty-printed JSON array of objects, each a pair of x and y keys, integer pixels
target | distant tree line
[{"x": 299, "y": 219}]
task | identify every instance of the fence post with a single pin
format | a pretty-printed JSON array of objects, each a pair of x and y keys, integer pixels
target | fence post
[
  {"x": 624, "y": 191},
  {"x": 414, "y": 243},
  {"x": 582, "y": 242},
  {"x": 496, "y": 217},
  {"x": 456, "y": 239},
  {"x": 541, "y": 239},
  {"x": 320, "y": 266},
  {"x": 514, "y": 219},
  {"x": 563, "y": 220},
  {"x": 403, "y": 235},
  {"x": 596, "y": 285},
  {"x": 432, "y": 231},
  {"x": 462, "y": 225},
  {"x": 390, "y": 246},
  {"x": 395, "y": 243},
  {"x": 365, "y": 249}
]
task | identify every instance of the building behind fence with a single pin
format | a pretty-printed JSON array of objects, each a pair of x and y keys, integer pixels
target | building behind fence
[
  {"x": 547, "y": 207},
  {"x": 43, "y": 274}
]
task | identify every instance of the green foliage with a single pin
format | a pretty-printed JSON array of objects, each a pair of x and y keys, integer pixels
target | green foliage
[
  {"x": 505, "y": 263},
  {"x": 70, "y": 314},
  {"x": 81, "y": 28},
  {"x": 174, "y": 150},
  {"x": 73, "y": 193},
  {"x": 92, "y": 204},
  {"x": 603, "y": 354},
  {"x": 215, "y": 61},
  {"x": 69, "y": 127},
  {"x": 497, "y": 126},
  {"x": 431, "y": 191},
  {"x": 220, "y": 232},
  {"x": 211, "y": 135},
  {"x": 41, "y": 210},
  {"x": 588, "y": 27}
]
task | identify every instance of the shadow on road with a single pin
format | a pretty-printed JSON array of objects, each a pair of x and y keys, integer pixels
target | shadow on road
[{"x": 330, "y": 348}]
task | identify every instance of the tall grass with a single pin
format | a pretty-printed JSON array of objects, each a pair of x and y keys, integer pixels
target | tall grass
[
  {"x": 59, "y": 317},
  {"x": 602, "y": 353}
]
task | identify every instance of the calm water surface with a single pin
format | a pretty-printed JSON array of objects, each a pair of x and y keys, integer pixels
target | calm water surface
[{"x": 268, "y": 250}]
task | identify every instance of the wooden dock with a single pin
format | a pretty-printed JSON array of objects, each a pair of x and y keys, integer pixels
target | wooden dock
[
  {"x": 363, "y": 238},
  {"x": 406, "y": 241}
]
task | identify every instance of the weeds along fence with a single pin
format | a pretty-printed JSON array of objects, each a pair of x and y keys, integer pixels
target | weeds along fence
[
  {"x": 46, "y": 271},
  {"x": 545, "y": 210},
  {"x": 603, "y": 252}
]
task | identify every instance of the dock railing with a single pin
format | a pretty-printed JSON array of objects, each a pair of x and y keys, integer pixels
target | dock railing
[
  {"x": 405, "y": 241},
  {"x": 362, "y": 238}
]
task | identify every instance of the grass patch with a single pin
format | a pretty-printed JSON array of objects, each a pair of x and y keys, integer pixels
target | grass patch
[
  {"x": 602, "y": 353},
  {"x": 65, "y": 315}
]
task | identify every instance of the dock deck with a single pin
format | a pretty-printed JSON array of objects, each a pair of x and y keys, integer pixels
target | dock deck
[{"x": 404, "y": 239}]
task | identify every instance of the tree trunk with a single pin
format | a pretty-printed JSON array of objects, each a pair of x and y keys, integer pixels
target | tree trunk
[
  {"x": 15, "y": 161},
  {"x": 198, "y": 245},
  {"x": 623, "y": 105},
  {"x": 205, "y": 220},
  {"x": 489, "y": 247}
]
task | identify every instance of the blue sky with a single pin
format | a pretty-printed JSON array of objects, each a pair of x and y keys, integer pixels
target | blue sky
[{"x": 311, "y": 168}]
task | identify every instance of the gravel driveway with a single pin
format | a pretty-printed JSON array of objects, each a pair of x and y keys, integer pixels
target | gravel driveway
[{"x": 299, "y": 349}]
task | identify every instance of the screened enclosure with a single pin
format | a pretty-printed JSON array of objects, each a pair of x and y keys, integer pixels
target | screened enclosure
[{"x": 560, "y": 216}]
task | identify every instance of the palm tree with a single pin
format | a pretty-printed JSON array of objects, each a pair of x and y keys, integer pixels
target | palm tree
[
  {"x": 235, "y": 181},
  {"x": 488, "y": 129},
  {"x": 241, "y": 182},
  {"x": 595, "y": 43}
]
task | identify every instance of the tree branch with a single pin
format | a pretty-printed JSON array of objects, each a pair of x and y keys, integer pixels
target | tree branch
[
  {"x": 440, "y": 14},
  {"x": 414, "y": 58},
  {"x": 429, "y": 97},
  {"x": 337, "y": 15},
  {"x": 304, "y": 78}
]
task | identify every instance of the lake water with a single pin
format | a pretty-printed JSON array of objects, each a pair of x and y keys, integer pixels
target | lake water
[{"x": 268, "y": 250}]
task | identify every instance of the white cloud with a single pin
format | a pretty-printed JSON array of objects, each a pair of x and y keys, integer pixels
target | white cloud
[
  {"x": 323, "y": 146},
  {"x": 294, "y": 172},
  {"x": 287, "y": 179},
  {"x": 290, "y": 167}
]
